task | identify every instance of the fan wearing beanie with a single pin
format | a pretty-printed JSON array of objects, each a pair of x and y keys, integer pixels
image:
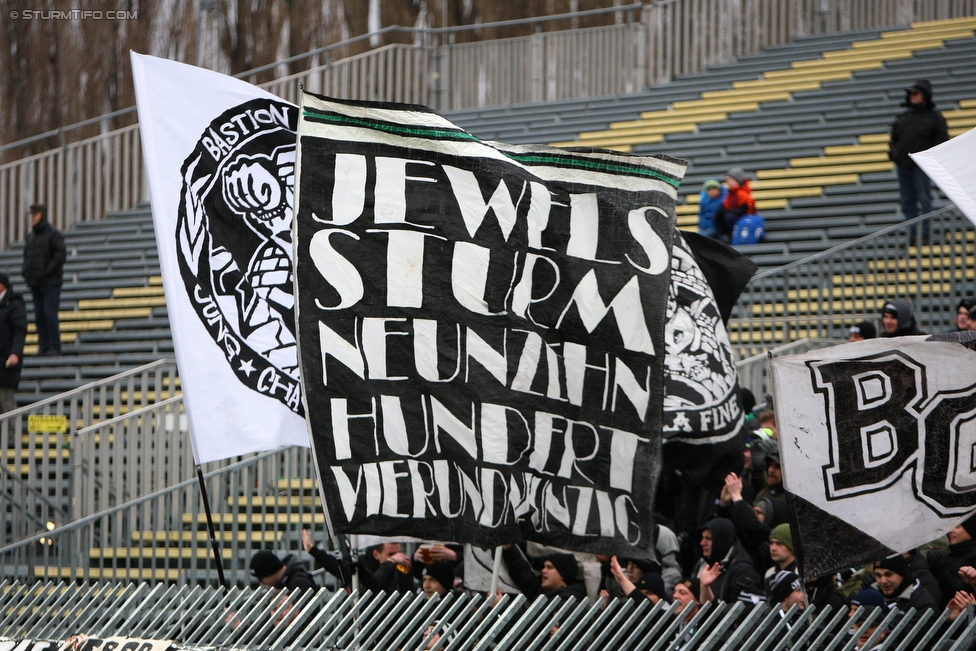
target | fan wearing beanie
[
  {"x": 899, "y": 586},
  {"x": 869, "y": 600},
  {"x": 650, "y": 584},
  {"x": 781, "y": 553},
  {"x": 13, "y": 333},
  {"x": 287, "y": 574},
  {"x": 786, "y": 590},
  {"x": 438, "y": 578},
  {"x": 559, "y": 577}
]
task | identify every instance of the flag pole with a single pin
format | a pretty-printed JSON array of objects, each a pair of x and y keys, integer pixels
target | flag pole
[
  {"x": 496, "y": 568},
  {"x": 210, "y": 527}
]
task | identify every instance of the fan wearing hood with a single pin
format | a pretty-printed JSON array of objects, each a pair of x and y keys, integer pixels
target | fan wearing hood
[
  {"x": 919, "y": 128},
  {"x": 898, "y": 319},
  {"x": 725, "y": 569}
]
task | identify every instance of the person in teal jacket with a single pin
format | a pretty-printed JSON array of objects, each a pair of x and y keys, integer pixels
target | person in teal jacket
[{"x": 710, "y": 200}]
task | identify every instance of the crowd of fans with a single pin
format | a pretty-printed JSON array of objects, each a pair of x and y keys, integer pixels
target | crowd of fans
[
  {"x": 736, "y": 546},
  {"x": 743, "y": 550}
]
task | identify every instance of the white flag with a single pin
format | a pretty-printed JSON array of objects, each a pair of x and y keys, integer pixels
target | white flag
[
  {"x": 220, "y": 156},
  {"x": 878, "y": 443},
  {"x": 952, "y": 167}
]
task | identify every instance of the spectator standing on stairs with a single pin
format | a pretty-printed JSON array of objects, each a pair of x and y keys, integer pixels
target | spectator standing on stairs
[
  {"x": 13, "y": 332},
  {"x": 918, "y": 128},
  {"x": 44, "y": 256}
]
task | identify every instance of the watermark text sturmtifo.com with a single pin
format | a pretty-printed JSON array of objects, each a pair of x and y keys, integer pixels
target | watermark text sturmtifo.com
[{"x": 73, "y": 14}]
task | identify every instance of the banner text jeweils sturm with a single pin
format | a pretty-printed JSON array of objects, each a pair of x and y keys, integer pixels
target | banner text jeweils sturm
[
  {"x": 480, "y": 331},
  {"x": 881, "y": 434}
]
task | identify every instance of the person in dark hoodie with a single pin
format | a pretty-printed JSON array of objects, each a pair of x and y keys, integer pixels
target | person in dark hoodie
[
  {"x": 917, "y": 129},
  {"x": 725, "y": 569},
  {"x": 898, "y": 319},
  {"x": 13, "y": 332},
  {"x": 288, "y": 574},
  {"x": 559, "y": 577}
]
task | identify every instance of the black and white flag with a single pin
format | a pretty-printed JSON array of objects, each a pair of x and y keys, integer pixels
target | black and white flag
[
  {"x": 702, "y": 414},
  {"x": 878, "y": 443},
  {"x": 220, "y": 160},
  {"x": 481, "y": 329}
]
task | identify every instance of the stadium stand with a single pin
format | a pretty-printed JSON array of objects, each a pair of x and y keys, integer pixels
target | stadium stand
[
  {"x": 113, "y": 313},
  {"x": 809, "y": 119}
]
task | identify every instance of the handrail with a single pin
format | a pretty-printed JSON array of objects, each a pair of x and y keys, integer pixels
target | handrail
[
  {"x": 237, "y": 465},
  {"x": 97, "y": 384},
  {"x": 853, "y": 243},
  {"x": 925, "y": 260},
  {"x": 11, "y": 477},
  {"x": 135, "y": 413},
  {"x": 345, "y": 43}
]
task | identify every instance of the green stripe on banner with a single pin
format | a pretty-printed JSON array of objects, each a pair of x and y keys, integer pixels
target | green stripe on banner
[
  {"x": 593, "y": 165},
  {"x": 417, "y": 132}
]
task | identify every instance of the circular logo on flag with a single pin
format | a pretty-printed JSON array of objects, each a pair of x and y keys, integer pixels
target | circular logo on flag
[
  {"x": 700, "y": 377},
  {"x": 234, "y": 243}
]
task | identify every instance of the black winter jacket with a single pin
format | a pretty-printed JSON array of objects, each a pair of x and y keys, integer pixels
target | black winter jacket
[
  {"x": 44, "y": 255},
  {"x": 13, "y": 332},
  {"x": 738, "y": 573},
  {"x": 531, "y": 584},
  {"x": 945, "y": 568},
  {"x": 296, "y": 576},
  {"x": 915, "y": 130}
]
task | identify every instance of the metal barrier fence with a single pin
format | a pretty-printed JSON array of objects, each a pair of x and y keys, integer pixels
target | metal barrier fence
[
  {"x": 258, "y": 501},
  {"x": 37, "y": 466},
  {"x": 754, "y": 371},
  {"x": 651, "y": 43},
  {"x": 194, "y": 617},
  {"x": 929, "y": 260}
]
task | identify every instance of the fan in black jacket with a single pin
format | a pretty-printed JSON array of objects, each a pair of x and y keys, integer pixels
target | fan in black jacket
[
  {"x": 919, "y": 128},
  {"x": 44, "y": 256},
  {"x": 558, "y": 579},
  {"x": 13, "y": 332}
]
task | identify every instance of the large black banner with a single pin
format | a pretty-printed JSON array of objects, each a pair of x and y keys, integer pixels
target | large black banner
[{"x": 481, "y": 329}]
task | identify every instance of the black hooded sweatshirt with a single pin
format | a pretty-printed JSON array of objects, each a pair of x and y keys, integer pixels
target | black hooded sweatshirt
[
  {"x": 918, "y": 128},
  {"x": 906, "y": 318},
  {"x": 738, "y": 573}
]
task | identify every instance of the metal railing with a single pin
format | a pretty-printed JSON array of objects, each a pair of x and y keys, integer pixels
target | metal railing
[
  {"x": 650, "y": 43},
  {"x": 130, "y": 456},
  {"x": 45, "y": 459},
  {"x": 194, "y": 617},
  {"x": 929, "y": 260},
  {"x": 24, "y": 509},
  {"x": 258, "y": 501},
  {"x": 754, "y": 371}
]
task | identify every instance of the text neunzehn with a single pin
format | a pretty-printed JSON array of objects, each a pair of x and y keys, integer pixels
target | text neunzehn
[{"x": 481, "y": 329}]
